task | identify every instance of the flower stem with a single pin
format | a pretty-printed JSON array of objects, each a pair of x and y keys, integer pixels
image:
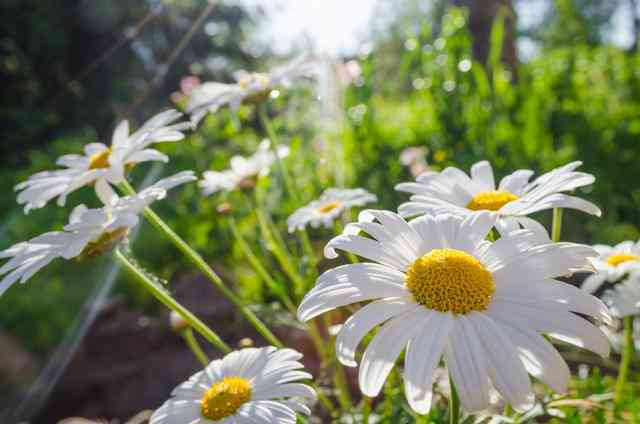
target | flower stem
[
  {"x": 627, "y": 354},
  {"x": 263, "y": 115},
  {"x": 366, "y": 409},
  {"x": 260, "y": 269},
  {"x": 339, "y": 374},
  {"x": 202, "y": 265},
  {"x": 193, "y": 344},
  {"x": 277, "y": 247},
  {"x": 164, "y": 297},
  {"x": 556, "y": 226},
  {"x": 454, "y": 403}
]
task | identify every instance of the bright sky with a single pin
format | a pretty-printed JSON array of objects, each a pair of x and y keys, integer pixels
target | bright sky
[
  {"x": 331, "y": 26},
  {"x": 339, "y": 26}
]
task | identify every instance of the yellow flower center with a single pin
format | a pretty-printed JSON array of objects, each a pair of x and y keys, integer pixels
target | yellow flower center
[
  {"x": 105, "y": 242},
  {"x": 100, "y": 160},
  {"x": 328, "y": 207},
  {"x": 449, "y": 280},
  {"x": 491, "y": 200},
  {"x": 617, "y": 259},
  {"x": 225, "y": 397}
]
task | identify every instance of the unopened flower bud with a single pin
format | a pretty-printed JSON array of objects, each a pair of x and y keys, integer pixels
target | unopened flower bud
[{"x": 177, "y": 323}]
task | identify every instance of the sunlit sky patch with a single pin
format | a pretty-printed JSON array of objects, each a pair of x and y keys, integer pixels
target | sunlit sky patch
[{"x": 339, "y": 27}]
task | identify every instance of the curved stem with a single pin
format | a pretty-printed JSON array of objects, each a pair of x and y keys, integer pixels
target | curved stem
[
  {"x": 259, "y": 268},
  {"x": 192, "y": 343},
  {"x": 556, "y": 226},
  {"x": 163, "y": 296},
  {"x": 202, "y": 265},
  {"x": 454, "y": 403},
  {"x": 627, "y": 354},
  {"x": 268, "y": 128}
]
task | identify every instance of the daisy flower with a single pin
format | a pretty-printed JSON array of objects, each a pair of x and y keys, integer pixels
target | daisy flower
[
  {"x": 612, "y": 264},
  {"x": 441, "y": 290},
  {"x": 102, "y": 165},
  {"x": 249, "y": 87},
  {"x": 453, "y": 191},
  {"x": 252, "y": 385},
  {"x": 328, "y": 207},
  {"x": 89, "y": 232},
  {"x": 244, "y": 171},
  {"x": 624, "y": 298}
]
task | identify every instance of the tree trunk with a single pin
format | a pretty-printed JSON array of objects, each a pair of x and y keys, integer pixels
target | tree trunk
[{"x": 481, "y": 16}]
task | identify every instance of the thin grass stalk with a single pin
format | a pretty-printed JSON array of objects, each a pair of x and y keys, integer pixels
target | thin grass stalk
[
  {"x": 281, "y": 253},
  {"x": 556, "y": 226},
  {"x": 191, "y": 342},
  {"x": 454, "y": 403},
  {"x": 165, "y": 298},
  {"x": 259, "y": 268},
  {"x": 266, "y": 123},
  {"x": 627, "y": 356},
  {"x": 195, "y": 258}
]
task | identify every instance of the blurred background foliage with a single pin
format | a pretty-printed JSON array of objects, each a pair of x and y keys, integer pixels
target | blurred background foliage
[{"x": 444, "y": 77}]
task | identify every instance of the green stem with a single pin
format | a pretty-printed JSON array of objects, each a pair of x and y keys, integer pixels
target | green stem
[
  {"x": 259, "y": 268},
  {"x": 366, "y": 409},
  {"x": 389, "y": 394},
  {"x": 311, "y": 254},
  {"x": 339, "y": 374},
  {"x": 627, "y": 355},
  {"x": 202, "y": 265},
  {"x": 193, "y": 344},
  {"x": 163, "y": 296},
  {"x": 454, "y": 403},
  {"x": 268, "y": 127},
  {"x": 280, "y": 252},
  {"x": 556, "y": 226}
]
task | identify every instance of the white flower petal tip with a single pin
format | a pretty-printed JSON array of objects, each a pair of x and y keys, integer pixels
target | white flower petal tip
[
  {"x": 101, "y": 164},
  {"x": 328, "y": 207},
  {"x": 493, "y": 341},
  {"x": 263, "y": 386}
]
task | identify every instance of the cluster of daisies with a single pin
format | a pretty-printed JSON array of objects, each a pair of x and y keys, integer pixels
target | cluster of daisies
[{"x": 461, "y": 275}]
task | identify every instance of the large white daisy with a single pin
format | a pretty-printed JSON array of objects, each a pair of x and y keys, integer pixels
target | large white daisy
[
  {"x": 440, "y": 289},
  {"x": 328, "y": 207},
  {"x": 249, "y": 87},
  {"x": 613, "y": 264},
  {"x": 453, "y": 191},
  {"x": 248, "y": 386},
  {"x": 89, "y": 232},
  {"x": 243, "y": 171},
  {"x": 101, "y": 164}
]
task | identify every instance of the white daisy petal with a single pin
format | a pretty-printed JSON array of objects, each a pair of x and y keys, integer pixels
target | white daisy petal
[
  {"x": 349, "y": 284},
  {"x": 540, "y": 358},
  {"x": 468, "y": 366},
  {"x": 423, "y": 354},
  {"x": 507, "y": 372},
  {"x": 363, "y": 321},
  {"x": 380, "y": 356},
  {"x": 482, "y": 175}
]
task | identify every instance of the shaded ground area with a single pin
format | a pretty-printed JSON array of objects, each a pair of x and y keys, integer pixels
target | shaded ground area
[{"x": 130, "y": 362}]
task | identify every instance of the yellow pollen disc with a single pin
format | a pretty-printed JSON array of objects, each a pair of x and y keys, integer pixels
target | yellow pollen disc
[
  {"x": 328, "y": 207},
  {"x": 449, "y": 280},
  {"x": 105, "y": 242},
  {"x": 225, "y": 397},
  {"x": 100, "y": 160},
  {"x": 491, "y": 200},
  {"x": 617, "y": 259}
]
